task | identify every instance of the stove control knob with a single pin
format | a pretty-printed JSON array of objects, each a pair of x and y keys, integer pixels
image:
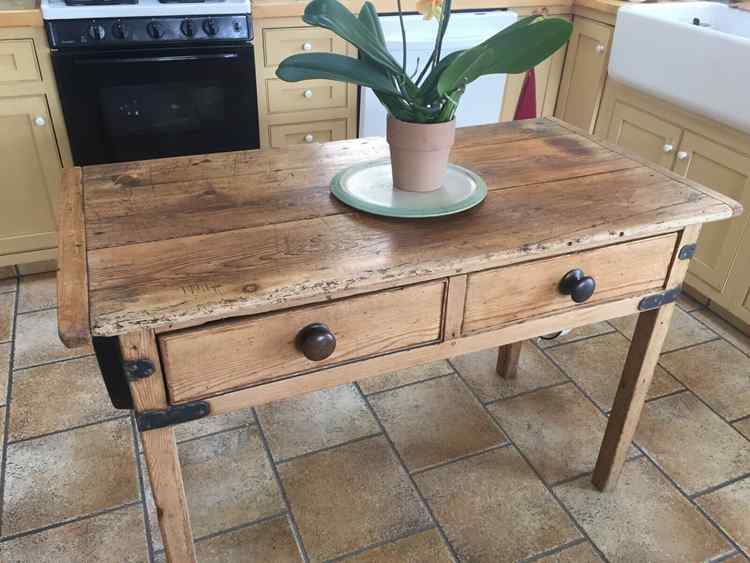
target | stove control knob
[
  {"x": 210, "y": 27},
  {"x": 155, "y": 30},
  {"x": 188, "y": 28},
  {"x": 119, "y": 30},
  {"x": 97, "y": 32}
]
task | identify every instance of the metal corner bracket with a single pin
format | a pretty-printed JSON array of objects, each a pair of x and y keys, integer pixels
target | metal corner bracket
[
  {"x": 173, "y": 414},
  {"x": 658, "y": 299},
  {"x": 687, "y": 251}
]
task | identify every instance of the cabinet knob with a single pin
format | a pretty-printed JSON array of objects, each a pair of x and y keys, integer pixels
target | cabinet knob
[
  {"x": 668, "y": 148},
  {"x": 316, "y": 342},
  {"x": 39, "y": 121},
  {"x": 599, "y": 49},
  {"x": 682, "y": 155},
  {"x": 309, "y": 138},
  {"x": 307, "y": 93},
  {"x": 579, "y": 286},
  {"x": 306, "y": 46}
]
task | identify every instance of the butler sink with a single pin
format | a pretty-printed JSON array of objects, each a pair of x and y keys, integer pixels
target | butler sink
[{"x": 694, "y": 54}]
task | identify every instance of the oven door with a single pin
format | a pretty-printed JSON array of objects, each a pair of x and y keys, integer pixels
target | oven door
[{"x": 139, "y": 104}]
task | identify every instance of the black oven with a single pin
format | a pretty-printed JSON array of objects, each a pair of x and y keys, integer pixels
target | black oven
[{"x": 157, "y": 101}]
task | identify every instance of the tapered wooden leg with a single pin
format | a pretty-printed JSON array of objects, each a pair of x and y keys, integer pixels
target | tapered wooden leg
[
  {"x": 507, "y": 360},
  {"x": 637, "y": 374},
  {"x": 160, "y": 451}
]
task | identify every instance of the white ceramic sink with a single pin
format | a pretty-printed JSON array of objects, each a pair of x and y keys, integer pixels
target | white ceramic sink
[{"x": 702, "y": 68}]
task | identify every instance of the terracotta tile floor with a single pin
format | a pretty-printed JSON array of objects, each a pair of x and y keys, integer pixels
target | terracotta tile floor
[{"x": 443, "y": 462}]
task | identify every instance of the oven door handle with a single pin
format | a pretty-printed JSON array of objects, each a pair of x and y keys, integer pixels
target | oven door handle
[{"x": 167, "y": 59}]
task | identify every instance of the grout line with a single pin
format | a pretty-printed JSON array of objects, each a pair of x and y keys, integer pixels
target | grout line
[
  {"x": 67, "y": 521},
  {"x": 727, "y": 557},
  {"x": 400, "y": 460},
  {"x": 724, "y": 338},
  {"x": 554, "y": 550},
  {"x": 63, "y": 430},
  {"x": 431, "y": 378},
  {"x": 689, "y": 346},
  {"x": 255, "y": 522},
  {"x": 52, "y": 362},
  {"x": 740, "y": 419},
  {"x": 247, "y": 424},
  {"x": 379, "y": 544},
  {"x": 38, "y": 310},
  {"x": 499, "y": 446},
  {"x": 566, "y": 381},
  {"x": 328, "y": 448},
  {"x": 566, "y": 480},
  {"x": 6, "y": 430},
  {"x": 142, "y": 487},
  {"x": 667, "y": 395},
  {"x": 292, "y": 521},
  {"x": 714, "y": 488}
]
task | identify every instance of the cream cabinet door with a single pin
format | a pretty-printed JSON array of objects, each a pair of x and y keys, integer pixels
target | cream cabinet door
[
  {"x": 644, "y": 134},
  {"x": 738, "y": 286},
  {"x": 584, "y": 73},
  {"x": 727, "y": 171},
  {"x": 30, "y": 170}
]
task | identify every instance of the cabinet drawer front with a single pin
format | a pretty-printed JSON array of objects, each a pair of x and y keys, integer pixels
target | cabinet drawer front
[
  {"x": 204, "y": 361},
  {"x": 304, "y": 96},
  {"x": 278, "y": 44},
  {"x": 313, "y": 132},
  {"x": 18, "y": 61},
  {"x": 497, "y": 297}
]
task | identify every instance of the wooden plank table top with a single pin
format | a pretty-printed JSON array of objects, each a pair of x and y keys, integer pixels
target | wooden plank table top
[{"x": 179, "y": 241}]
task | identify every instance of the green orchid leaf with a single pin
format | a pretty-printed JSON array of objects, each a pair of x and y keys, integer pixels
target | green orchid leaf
[
  {"x": 515, "y": 49},
  {"x": 368, "y": 15},
  {"x": 330, "y": 66},
  {"x": 428, "y": 88}
]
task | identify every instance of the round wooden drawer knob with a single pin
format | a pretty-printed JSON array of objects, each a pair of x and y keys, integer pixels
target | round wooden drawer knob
[
  {"x": 579, "y": 286},
  {"x": 316, "y": 342}
]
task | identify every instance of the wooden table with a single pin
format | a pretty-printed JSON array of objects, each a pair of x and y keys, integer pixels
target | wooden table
[{"x": 212, "y": 283}]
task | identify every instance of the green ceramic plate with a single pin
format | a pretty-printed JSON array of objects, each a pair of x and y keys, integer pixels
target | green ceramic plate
[{"x": 369, "y": 187}]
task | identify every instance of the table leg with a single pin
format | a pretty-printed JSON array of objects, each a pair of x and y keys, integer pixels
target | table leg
[
  {"x": 650, "y": 332},
  {"x": 160, "y": 451},
  {"x": 507, "y": 360}
]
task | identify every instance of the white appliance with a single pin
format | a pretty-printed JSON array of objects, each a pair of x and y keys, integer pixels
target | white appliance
[{"x": 483, "y": 98}]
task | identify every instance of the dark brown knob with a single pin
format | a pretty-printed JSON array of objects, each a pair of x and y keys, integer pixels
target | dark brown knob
[
  {"x": 316, "y": 342},
  {"x": 579, "y": 286}
]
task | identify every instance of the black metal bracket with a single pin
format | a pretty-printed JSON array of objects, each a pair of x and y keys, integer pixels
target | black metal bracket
[
  {"x": 107, "y": 349},
  {"x": 174, "y": 414},
  {"x": 137, "y": 369},
  {"x": 687, "y": 252},
  {"x": 659, "y": 299}
]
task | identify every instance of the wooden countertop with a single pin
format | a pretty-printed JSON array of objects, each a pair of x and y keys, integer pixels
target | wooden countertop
[{"x": 175, "y": 242}]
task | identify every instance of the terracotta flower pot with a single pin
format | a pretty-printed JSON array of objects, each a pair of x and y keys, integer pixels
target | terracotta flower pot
[{"x": 419, "y": 153}]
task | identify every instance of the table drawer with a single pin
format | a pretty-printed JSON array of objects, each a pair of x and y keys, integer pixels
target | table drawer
[
  {"x": 308, "y": 132},
  {"x": 278, "y": 44},
  {"x": 18, "y": 61},
  {"x": 200, "y": 362},
  {"x": 501, "y": 296},
  {"x": 304, "y": 96}
]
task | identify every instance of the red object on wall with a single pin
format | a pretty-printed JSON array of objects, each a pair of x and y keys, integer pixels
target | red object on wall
[{"x": 526, "y": 108}]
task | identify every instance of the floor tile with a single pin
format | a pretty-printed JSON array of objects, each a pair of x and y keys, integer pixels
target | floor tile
[
  {"x": 724, "y": 329},
  {"x": 424, "y": 547},
  {"x": 744, "y": 427},
  {"x": 267, "y": 542},
  {"x": 684, "y": 330},
  {"x": 37, "y": 267},
  {"x": 352, "y": 496},
  {"x": 37, "y": 292},
  {"x": 316, "y": 420},
  {"x": 228, "y": 482},
  {"x": 38, "y": 343},
  {"x": 61, "y": 476},
  {"x": 4, "y": 371},
  {"x": 558, "y": 430},
  {"x": 113, "y": 537},
  {"x": 435, "y": 421},
  {"x": 493, "y": 508},
  {"x": 405, "y": 376},
  {"x": 717, "y": 372},
  {"x": 8, "y": 279},
  {"x": 738, "y": 558},
  {"x": 694, "y": 446},
  {"x": 730, "y": 508},
  {"x": 57, "y": 396},
  {"x": 596, "y": 365},
  {"x": 644, "y": 518},
  {"x": 7, "y": 306},
  {"x": 479, "y": 371},
  {"x": 688, "y": 304},
  {"x": 579, "y": 553},
  {"x": 585, "y": 331}
]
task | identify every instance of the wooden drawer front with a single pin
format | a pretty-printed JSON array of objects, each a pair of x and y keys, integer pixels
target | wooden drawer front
[
  {"x": 304, "y": 96},
  {"x": 497, "y": 297},
  {"x": 204, "y": 361},
  {"x": 278, "y": 44},
  {"x": 18, "y": 61},
  {"x": 314, "y": 132}
]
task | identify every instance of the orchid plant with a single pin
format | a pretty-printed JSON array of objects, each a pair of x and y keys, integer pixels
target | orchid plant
[{"x": 429, "y": 94}]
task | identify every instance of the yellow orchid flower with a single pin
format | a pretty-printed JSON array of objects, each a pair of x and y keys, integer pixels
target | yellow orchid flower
[{"x": 430, "y": 8}]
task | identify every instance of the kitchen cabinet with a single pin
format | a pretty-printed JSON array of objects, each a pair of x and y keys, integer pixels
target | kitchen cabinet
[
  {"x": 584, "y": 73},
  {"x": 738, "y": 285}
]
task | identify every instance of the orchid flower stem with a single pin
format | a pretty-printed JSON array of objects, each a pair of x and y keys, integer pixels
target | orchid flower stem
[{"x": 403, "y": 32}]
